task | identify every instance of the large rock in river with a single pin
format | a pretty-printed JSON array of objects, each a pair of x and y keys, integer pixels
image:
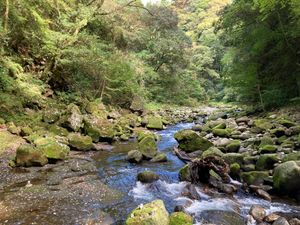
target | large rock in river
[
  {"x": 155, "y": 122},
  {"x": 190, "y": 141},
  {"x": 147, "y": 146},
  {"x": 286, "y": 177},
  {"x": 153, "y": 213},
  {"x": 180, "y": 218}
]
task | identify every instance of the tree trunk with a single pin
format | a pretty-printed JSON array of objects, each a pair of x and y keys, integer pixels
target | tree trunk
[{"x": 6, "y": 13}]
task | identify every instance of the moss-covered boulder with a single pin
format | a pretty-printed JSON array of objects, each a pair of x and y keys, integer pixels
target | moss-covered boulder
[
  {"x": 184, "y": 173},
  {"x": 155, "y": 122},
  {"x": 230, "y": 158},
  {"x": 266, "y": 140},
  {"x": 97, "y": 108},
  {"x": 73, "y": 118},
  {"x": 190, "y": 141},
  {"x": 286, "y": 177},
  {"x": 12, "y": 128},
  {"x": 212, "y": 151},
  {"x": 221, "y": 132},
  {"x": 80, "y": 142},
  {"x": 263, "y": 124},
  {"x": 278, "y": 132},
  {"x": 266, "y": 161},
  {"x": 180, "y": 218},
  {"x": 254, "y": 177},
  {"x": 26, "y": 131},
  {"x": 147, "y": 177},
  {"x": 160, "y": 157},
  {"x": 153, "y": 213},
  {"x": 51, "y": 115},
  {"x": 99, "y": 129},
  {"x": 233, "y": 146},
  {"x": 29, "y": 155},
  {"x": 137, "y": 104},
  {"x": 267, "y": 149},
  {"x": 147, "y": 146},
  {"x": 51, "y": 148},
  {"x": 295, "y": 156},
  {"x": 134, "y": 156},
  {"x": 220, "y": 126},
  {"x": 235, "y": 169},
  {"x": 286, "y": 123}
]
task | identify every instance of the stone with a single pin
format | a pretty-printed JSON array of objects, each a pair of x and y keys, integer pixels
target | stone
[
  {"x": 12, "y": 128},
  {"x": 243, "y": 119},
  {"x": 254, "y": 177},
  {"x": 212, "y": 151},
  {"x": 271, "y": 218},
  {"x": 160, "y": 157},
  {"x": 220, "y": 126},
  {"x": 263, "y": 194},
  {"x": 286, "y": 177},
  {"x": 27, "y": 155},
  {"x": 99, "y": 129},
  {"x": 74, "y": 118},
  {"x": 180, "y": 218},
  {"x": 190, "y": 141},
  {"x": 155, "y": 122},
  {"x": 197, "y": 127},
  {"x": 286, "y": 123},
  {"x": 278, "y": 132},
  {"x": 294, "y": 221},
  {"x": 267, "y": 149},
  {"x": 258, "y": 212},
  {"x": 26, "y": 131},
  {"x": 233, "y": 146},
  {"x": 97, "y": 108},
  {"x": 221, "y": 132},
  {"x": 263, "y": 124},
  {"x": 266, "y": 161},
  {"x": 266, "y": 140},
  {"x": 52, "y": 148},
  {"x": 137, "y": 104},
  {"x": 134, "y": 156},
  {"x": 292, "y": 157},
  {"x": 235, "y": 170},
  {"x": 51, "y": 115},
  {"x": 80, "y": 142},
  {"x": 190, "y": 192},
  {"x": 233, "y": 158},
  {"x": 281, "y": 221},
  {"x": 147, "y": 177},
  {"x": 147, "y": 146},
  {"x": 184, "y": 173},
  {"x": 153, "y": 213}
]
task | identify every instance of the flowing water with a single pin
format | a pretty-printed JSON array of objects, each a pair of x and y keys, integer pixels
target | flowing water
[{"x": 214, "y": 207}]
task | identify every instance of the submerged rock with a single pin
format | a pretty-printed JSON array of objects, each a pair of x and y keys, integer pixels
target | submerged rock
[
  {"x": 190, "y": 141},
  {"x": 153, "y": 213},
  {"x": 147, "y": 177}
]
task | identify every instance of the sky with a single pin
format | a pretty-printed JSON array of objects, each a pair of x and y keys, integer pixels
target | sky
[{"x": 145, "y": 2}]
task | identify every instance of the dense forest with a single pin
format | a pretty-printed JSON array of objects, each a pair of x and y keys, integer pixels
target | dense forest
[{"x": 161, "y": 112}]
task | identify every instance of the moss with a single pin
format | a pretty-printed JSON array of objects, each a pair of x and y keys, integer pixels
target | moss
[
  {"x": 266, "y": 161},
  {"x": 99, "y": 129},
  {"x": 180, "y": 218},
  {"x": 292, "y": 157},
  {"x": 28, "y": 155},
  {"x": 8, "y": 141},
  {"x": 97, "y": 109},
  {"x": 184, "y": 173},
  {"x": 268, "y": 149},
  {"x": 51, "y": 148},
  {"x": 286, "y": 123},
  {"x": 233, "y": 158},
  {"x": 80, "y": 142},
  {"x": 263, "y": 124},
  {"x": 235, "y": 169},
  {"x": 233, "y": 146},
  {"x": 153, "y": 213},
  {"x": 147, "y": 146},
  {"x": 221, "y": 132},
  {"x": 212, "y": 151},
  {"x": 155, "y": 122},
  {"x": 254, "y": 177},
  {"x": 26, "y": 131},
  {"x": 278, "y": 132},
  {"x": 160, "y": 157},
  {"x": 266, "y": 140},
  {"x": 147, "y": 177}
]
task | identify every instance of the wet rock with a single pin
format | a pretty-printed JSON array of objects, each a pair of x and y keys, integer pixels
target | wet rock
[
  {"x": 263, "y": 124},
  {"x": 258, "y": 212},
  {"x": 233, "y": 146},
  {"x": 197, "y": 127},
  {"x": 190, "y": 141},
  {"x": 254, "y": 177},
  {"x": 153, "y": 213},
  {"x": 221, "y": 132},
  {"x": 263, "y": 194},
  {"x": 190, "y": 192},
  {"x": 103, "y": 147},
  {"x": 266, "y": 161},
  {"x": 294, "y": 221},
  {"x": 180, "y": 218},
  {"x": 281, "y": 221},
  {"x": 221, "y": 142},
  {"x": 80, "y": 142},
  {"x": 28, "y": 155},
  {"x": 73, "y": 118},
  {"x": 235, "y": 170},
  {"x": 134, "y": 156},
  {"x": 286, "y": 177},
  {"x": 178, "y": 208},
  {"x": 271, "y": 218},
  {"x": 220, "y": 126},
  {"x": 52, "y": 148},
  {"x": 292, "y": 157},
  {"x": 160, "y": 157},
  {"x": 147, "y": 146},
  {"x": 147, "y": 177},
  {"x": 184, "y": 173},
  {"x": 155, "y": 122},
  {"x": 222, "y": 217}
]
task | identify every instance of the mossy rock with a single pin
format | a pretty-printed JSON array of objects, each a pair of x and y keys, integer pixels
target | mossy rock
[
  {"x": 52, "y": 148},
  {"x": 263, "y": 124},
  {"x": 266, "y": 161},
  {"x": 220, "y": 126},
  {"x": 134, "y": 156},
  {"x": 212, "y": 151},
  {"x": 137, "y": 104},
  {"x": 295, "y": 156},
  {"x": 147, "y": 177},
  {"x": 286, "y": 123},
  {"x": 97, "y": 108},
  {"x": 184, "y": 173},
  {"x": 147, "y": 146},
  {"x": 160, "y": 157},
  {"x": 190, "y": 141},
  {"x": 155, "y": 122},
  {"x": 233, "y": 146},
  {"x": 153, "y": 213},
  {"x": 254, "y": 177},
  {"x": 73, "y": 119},
  {"x": 9, "y": 141},
  {"x": 221, "y": 132},
  {"x": 80, "y": 142},
  {"x": 28, "y": 155},
  {"x": 235, "y": 170},
  {"x": 2, "y": 121},
  {"x": 268, "y": 149},
  {"x": 180, "y": 218},
  {"x": 286, "y": 177},
  {"x": 51, "y": 115},
  {"x": 26, "y": 131},
  {"x": 230, "y": 158},
  {"x": 278, "y": 132},
  {"x": 250, "y": 159},
  {"x": 99, "y": 129},
  {"x": 12, "y": 128},
  {"x": 266, "y": 140},
  {"x": 57, "y": 130}
]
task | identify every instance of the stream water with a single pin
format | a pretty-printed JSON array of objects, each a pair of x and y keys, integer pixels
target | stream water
[{"x": 214, "y": 207}]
